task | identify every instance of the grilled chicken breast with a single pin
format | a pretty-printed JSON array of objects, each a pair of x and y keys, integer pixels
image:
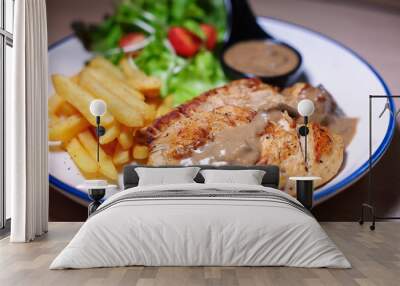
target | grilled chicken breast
[
  {"x": 282, "y": 146},
  {"x": 177, "y": 136}
]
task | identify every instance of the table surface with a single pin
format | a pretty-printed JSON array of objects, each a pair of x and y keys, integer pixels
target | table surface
[{"x": 370, "y": 29}]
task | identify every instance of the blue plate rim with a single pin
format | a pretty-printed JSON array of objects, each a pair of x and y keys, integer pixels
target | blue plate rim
[{"x": 319, "y": 195}]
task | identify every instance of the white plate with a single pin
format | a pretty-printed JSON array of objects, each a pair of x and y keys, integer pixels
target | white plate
[{"x": 345, "y": 74}]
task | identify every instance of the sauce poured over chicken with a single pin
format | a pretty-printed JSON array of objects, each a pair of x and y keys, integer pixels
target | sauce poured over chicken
[
  {"x": 240, "y": 145},
  {"x": 250, "y": 123}
]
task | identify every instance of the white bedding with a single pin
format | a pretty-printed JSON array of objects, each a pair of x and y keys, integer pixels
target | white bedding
[{"x": 183, "y": 231}]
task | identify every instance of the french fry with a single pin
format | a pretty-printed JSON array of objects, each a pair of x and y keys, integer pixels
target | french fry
[
  {"x": 112, "y": 133},
  {"x": 119, "y": 88},
  {"x": 121, "y": 156},
  {"x": 79, "y": 98},
  {"x": 58, "y": 105},
  {"x": 119, "y": 108},
  {"x": 81, "y": 157},
  {"x": 53, "y": 119},
  {"x": 105, "y": 164},
  {"x": 109, "y": 148},
  {"x": 154, "y": 106},
  {"x": 67, "y": 109},
  {"x": 54, "y": 103},
  {"x": 125, "y": 138},
  {"x": 156, "y": 101},
  {"x": 166, "y": 106},
  {"x": 75, "y": 78},
  {"x": 149, "y": 86},
  {"x": 112, "y": 70},
  {"x": 151, "y": 114},
  {"x": 169, "y": 101},
  {"x": 162, "y": 109},
  {"x": 65, "y": 130},
  {"x": 140, "y": 152}
]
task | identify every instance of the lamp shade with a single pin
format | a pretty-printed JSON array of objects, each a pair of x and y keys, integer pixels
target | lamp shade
[
  {"x": 98, "y": 107},
  {"x": 305, "y": 107}
]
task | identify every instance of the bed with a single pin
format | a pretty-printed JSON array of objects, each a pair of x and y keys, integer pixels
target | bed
[{"x": 201, "y": 224}]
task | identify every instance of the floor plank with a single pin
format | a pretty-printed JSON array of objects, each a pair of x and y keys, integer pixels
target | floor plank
[{"x": 375, "y": 257}]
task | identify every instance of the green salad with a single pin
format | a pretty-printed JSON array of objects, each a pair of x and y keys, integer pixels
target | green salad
[{"x": 180, "y": 39}]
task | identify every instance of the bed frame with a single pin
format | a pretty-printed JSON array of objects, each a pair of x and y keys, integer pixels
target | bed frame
[{"x": 270, "y": 179}]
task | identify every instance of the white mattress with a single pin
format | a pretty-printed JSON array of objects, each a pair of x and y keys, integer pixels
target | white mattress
[{"x": 189, "y": 231}]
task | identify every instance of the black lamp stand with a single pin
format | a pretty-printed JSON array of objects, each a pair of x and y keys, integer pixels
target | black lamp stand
[
  {"x": 100, "y": 131},
  {"x": 305, "y": 185},
  {"x": 96, "y": 194},
  {"x": 303, "y": 131},
  {"x": 368, "y": 205},
  {"x": 304, "y": 192}
]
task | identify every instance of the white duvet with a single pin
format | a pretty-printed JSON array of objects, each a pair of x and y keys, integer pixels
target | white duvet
[{"x": 183, "y": 231}]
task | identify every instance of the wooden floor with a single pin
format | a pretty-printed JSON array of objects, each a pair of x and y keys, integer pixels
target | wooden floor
[{"x": 375, "y": 257}]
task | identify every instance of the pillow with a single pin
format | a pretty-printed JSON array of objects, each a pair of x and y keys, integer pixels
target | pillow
[
  {"x": 271, "y": 177},
  {"x": 166, "y": 176},
  {"x": 248, "y": 177}
]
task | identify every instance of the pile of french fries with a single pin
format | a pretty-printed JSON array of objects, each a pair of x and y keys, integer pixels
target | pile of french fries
[{"x": 132, "y": 100}]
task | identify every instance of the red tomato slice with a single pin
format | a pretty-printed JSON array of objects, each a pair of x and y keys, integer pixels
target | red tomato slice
[
  {"x": 130, "y": 39},
  {"x": 185, "y": 43},
  {"x": 211, "y": 35}
]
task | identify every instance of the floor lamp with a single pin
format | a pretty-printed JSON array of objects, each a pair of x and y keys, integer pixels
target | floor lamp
[
  {"x": 305, "y": 184},
  {"x": 97, "y": 188}
]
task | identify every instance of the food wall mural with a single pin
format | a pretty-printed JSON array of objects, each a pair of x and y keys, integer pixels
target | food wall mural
[{"x": 165, "y": 73}]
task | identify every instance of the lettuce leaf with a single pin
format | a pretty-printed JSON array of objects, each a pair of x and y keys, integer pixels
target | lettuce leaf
[{"x": 183, "y": 78}]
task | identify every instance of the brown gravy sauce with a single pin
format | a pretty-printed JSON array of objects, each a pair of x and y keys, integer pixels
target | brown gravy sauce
[
  {"x": 261, "y": 58},
  {"x": 241, "y": 145},
  {"x": 238, "y": 145},
  {"x": 343, "y": 126}
]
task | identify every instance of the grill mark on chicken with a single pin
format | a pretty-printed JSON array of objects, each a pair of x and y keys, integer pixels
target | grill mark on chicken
[
  {"x": 235, "y": 93},
  {"x": 189, "y": 133},
  {"x": 322, "y": 140}
]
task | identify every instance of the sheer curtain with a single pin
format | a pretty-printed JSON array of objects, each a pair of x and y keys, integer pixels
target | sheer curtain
[{"x": 26, "y": 120}]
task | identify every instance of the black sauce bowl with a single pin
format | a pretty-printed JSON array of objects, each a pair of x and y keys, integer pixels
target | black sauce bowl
[{"x": 243, "y": 27}]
